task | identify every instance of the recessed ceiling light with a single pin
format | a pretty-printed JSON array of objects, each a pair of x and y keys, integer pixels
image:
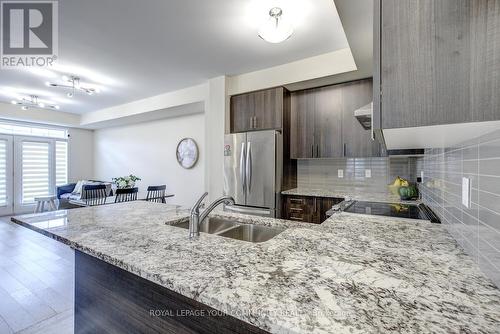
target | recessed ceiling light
[{"x": 275, "y": 29}]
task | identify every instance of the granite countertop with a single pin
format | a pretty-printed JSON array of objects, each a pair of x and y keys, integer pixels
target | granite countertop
[
  {"x": 351, "y": 274},
  {"x": 355, "y": 193}
]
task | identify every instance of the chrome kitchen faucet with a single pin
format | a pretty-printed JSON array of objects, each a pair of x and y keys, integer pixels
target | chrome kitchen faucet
[{"x": 196, "y": 219}]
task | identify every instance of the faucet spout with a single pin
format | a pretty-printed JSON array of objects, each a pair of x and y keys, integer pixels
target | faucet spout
[{"x": 196, "y": 219}]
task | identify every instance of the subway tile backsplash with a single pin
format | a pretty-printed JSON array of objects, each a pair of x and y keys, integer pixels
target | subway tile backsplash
[
  {"x": 323, "y": 173},
  {"x": 476, "y": 228}
]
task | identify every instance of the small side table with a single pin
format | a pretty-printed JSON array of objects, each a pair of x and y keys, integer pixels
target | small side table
[{"x": 40, "y": 203}]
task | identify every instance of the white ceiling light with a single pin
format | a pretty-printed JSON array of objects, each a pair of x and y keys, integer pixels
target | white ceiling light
[
  {"x": 73, "y": 83},
  {"x": 34, "y": 102},
  {"x": 275, "y": 29}
]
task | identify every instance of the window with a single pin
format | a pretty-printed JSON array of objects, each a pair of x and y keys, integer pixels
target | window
[
  {"x": 32, "y": 130},
  {"x": 3, "y": 172},
  {"x": 35, "y": 170},
  {"x": 33, "y": 162},
  {"x": 61, "y": 162}
]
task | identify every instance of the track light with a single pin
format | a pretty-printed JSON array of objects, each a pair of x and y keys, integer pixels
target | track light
[
  {"x": 74, "y": 84},
  {"x": 32, "y": 102}
]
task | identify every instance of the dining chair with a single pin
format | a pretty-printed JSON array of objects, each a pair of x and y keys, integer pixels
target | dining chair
[
  {"x": 94, "y": 194},
  {"x": 156, "y": 194},
  {"x": 126, "y": 195}
]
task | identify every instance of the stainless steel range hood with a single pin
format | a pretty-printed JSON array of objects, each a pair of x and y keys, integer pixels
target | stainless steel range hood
[{"x": 364, "y": 115}]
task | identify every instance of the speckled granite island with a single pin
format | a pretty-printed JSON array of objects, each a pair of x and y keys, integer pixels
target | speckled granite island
[{"x": 351, "y": 274}]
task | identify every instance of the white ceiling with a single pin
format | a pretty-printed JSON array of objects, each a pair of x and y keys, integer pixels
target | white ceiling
[{"x": 135, "y": 49}]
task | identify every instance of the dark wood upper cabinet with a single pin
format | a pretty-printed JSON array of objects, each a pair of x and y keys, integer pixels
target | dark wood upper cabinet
[
  {"x": 302, "y": 124},
  {"x": 323, "y": 122},
  {"x": 357, "y": 140},
  {"x": 436, "y": 62},
  {"x": 260, "y": 110},
  {"x": 328, "y": 122}
]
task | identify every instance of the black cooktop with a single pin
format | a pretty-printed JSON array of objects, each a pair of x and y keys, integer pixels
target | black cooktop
[{"x": 411, "y": 211}]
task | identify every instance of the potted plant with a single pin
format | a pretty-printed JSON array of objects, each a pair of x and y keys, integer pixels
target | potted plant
[{"x": 124, "y": 182}]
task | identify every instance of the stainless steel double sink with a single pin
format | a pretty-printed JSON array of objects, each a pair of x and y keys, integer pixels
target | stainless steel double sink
[{"x": 235, "y": 230}]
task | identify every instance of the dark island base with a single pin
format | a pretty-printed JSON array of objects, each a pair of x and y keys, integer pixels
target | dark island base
[{"x": 111, "y": 300}]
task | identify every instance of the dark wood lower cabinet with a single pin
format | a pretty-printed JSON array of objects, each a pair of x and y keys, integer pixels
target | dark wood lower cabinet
[
  {"x": 111, "y": 300},
  {"x": 325, "y": 204},
  {"x": 307, "y": 209}
]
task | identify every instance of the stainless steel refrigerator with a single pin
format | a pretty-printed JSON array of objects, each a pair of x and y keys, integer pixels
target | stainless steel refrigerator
[{"x": 252, "y": 172}]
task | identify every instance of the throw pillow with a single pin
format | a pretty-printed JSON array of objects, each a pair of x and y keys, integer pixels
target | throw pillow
[{"x": 78, "y": 187}]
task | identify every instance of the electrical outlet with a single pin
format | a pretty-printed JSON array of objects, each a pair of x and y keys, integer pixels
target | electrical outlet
[
  {"x": 466, "y": 192},
  {"x": 340, "y": 173},
  {"x": 368, "y": 173}
]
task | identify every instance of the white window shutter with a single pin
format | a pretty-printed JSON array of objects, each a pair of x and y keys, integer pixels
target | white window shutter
[{"x": 35, "y": 170}]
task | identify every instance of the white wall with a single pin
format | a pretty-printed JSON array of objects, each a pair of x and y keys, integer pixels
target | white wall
[
  {"x": 53, "y": 117},
  {"x": 80, "y": 155},
  {"x": 327, "y": 64},
  {"x": 215, "y": 111},
  {"x": 148, "y": 150}
]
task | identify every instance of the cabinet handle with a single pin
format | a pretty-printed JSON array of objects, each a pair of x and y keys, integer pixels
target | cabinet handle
[
  {"x": 296, "y": 200},
  {"x": 296, "y": 218},
  {"x": 296, "y": 209},
  {"x": 312, "y": 151},
  {"x": 255, "y": 122},
  {"x": 317, "y": 151},
  {"x": 344, "y": 149},
  {"x": 251, "y": 122}
]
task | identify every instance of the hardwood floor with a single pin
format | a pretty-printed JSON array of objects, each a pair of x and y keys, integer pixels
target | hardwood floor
[{"x": 36, "y": 282}]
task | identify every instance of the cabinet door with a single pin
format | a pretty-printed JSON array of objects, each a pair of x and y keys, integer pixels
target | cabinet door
[
  {"x": 261, "y": 110},
  {"x": 426, "y": 62},
  {"x": 328, "y": 122},
  {"x": 357, "y": 141},
  {"x": 268, "y": 108},
  {"x": 302, "y": 124},
  {"x": 323, "y": 205},
  {"x": 242, "y": 112},
  {"x": 300, "y": 208}
]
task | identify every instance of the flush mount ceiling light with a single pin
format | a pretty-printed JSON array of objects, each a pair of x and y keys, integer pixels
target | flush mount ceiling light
[
  {"x": 33, "y": 102},
  {"x": 275, "y": 29},
  {"x": 73, "y": 83}
]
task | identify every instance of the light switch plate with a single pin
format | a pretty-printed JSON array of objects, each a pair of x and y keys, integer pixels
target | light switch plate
[
  {"x": 466, "y": 192},
  {"x": 340, "y": 173},
  {"x": 368, "y": 173}
]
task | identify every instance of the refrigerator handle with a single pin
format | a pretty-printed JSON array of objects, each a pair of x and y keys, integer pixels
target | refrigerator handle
[
  {"x": 249, "y": 167},
  {"x": 242, "y": 167}
]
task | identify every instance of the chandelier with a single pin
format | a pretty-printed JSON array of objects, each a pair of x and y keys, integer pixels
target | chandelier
[
  {"x": 33, "y": 102},
  {"x": 73, "y": 84}
]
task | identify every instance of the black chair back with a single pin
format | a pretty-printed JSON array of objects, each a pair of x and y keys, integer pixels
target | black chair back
[
  {"x": 156, "y": 194},
  {"x": 126, "y": 195},
  {"x": 94, "y": 194}
]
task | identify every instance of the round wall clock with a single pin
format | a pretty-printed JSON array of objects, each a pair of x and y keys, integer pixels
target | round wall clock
[{"x": 187, "y": 153}]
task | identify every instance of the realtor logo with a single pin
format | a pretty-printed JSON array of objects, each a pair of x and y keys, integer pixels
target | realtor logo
[{"x": 29, "y": 33}]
